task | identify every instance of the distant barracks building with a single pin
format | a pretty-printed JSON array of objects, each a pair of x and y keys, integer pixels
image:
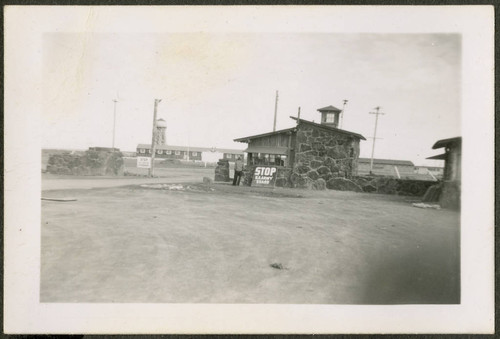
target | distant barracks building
[
  {"x": 206, "y": 154},
  {"x": 386, "y": 167},
  {"x": 308, "y": 155}
]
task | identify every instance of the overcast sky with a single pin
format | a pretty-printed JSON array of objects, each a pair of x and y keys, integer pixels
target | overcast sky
[{"x": 216, "y": 87}]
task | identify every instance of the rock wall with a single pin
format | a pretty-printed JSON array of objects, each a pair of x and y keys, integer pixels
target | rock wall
[
  {"x": 321, "y": 156},
  {"x": 222, "y": 171},
  {"x": 388, "y": 185},
  {"x": 382, "y": 185},
  {"x": 90, "y": 163}
]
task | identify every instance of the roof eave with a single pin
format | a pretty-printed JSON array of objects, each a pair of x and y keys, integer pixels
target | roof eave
[
  {"x": 445, "y": 142},
  {"x": 438, "y": 157},
  {"x": 247, "y": 139},
  {"x": 342, "y": 131}
]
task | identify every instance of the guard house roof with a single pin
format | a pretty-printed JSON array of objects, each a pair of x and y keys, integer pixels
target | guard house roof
[
  {"x": 387, "y": 162},
  {"x": 293, "y": 129},
  {"x": 446, "y": 142},
  {"x": 329, "y": 128},
  {"x": 247, "y": 139},
  {"x": 329, "y": 109}
]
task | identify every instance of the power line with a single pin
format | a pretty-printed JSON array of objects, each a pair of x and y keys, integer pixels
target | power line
[
  {"x": 114, "y": 124},
  {"x": 377, "y": 113},
  {"x": 275, "y": 111},
  {"x": 153, "y": 141}
]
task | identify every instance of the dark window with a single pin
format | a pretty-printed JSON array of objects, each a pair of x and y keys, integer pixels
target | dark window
[{"x": 267, "y": 159}]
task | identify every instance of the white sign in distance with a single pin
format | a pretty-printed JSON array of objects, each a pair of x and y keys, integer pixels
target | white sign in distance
[{"x": 143, "y": 162}]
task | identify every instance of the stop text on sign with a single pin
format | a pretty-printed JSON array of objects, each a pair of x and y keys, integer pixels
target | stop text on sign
[
  {"x": 267, "y": 171},
  {"x": 264, "y": 176}
]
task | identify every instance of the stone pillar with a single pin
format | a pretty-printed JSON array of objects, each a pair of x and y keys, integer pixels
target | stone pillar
[
  {"x": 450, "y": 195},
  {"x": 222, "y": 171}
]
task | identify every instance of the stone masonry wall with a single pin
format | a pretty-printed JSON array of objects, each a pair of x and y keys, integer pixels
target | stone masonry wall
[
  {"x": 387, "y": 185},
  {"x": 222, "y": 171},
  {"x": 321, "y": 156},
  {"x": 90, "y": 163},
  {"x": 450, "y": 195}
]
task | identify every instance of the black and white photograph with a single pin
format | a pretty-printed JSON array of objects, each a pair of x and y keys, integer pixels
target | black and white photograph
[{"x": 249, "y": 169}]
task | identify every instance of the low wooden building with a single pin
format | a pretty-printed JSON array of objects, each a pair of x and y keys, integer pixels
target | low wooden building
[
  {"x": 452, "y": 174},
  {"x": 309, "y": 154},
  {"x": 206, "y": 154},
  {"x": 386, "y": 167},
  {"x": 436, "y": 172}
]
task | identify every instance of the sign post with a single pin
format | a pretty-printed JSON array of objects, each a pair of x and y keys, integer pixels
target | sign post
[
  {"x": 143, "y": 162},
  {"x": 264, "y": 176}
]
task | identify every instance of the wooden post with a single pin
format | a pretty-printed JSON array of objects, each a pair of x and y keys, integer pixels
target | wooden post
[
  {"x": 275, "y": 111},
  {"x": 153, "y": 141},
  {"x": 114, "y": 124}
]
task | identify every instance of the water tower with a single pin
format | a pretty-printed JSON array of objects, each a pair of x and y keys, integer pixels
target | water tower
[{"x": 161, "y": 130}]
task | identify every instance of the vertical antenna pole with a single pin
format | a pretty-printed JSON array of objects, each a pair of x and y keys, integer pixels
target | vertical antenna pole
[
  {"x": 153, "y": 141},
  {"x": 342, "y": 114},
  {"x": 275, "y": 111}
]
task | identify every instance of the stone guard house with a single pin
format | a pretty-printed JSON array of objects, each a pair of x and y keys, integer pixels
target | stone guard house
[{"x": 308, "y": 155}]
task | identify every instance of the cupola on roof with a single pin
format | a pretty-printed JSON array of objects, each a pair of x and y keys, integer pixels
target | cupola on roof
[{"x": 330, "y": 116}]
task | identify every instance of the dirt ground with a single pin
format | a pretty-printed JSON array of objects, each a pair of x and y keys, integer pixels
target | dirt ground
[
  {"x": 171, "y": 175},
  {"x": 192, "y": 244}
]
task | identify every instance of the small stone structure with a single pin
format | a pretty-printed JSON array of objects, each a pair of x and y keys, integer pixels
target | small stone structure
[
  {"x": 321, "y": 155},
  {"x": 452, "y": 176},
  {"x": 222, "y": 170},
  {"x": 307, "y": 155},
  {"x": 92, "y": 162}
]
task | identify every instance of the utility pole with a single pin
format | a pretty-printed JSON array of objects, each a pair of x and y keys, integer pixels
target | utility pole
[
  {"x": 342, "y": 114},
  {"x": 298, "y": 114},
  {"x": 377, "y": 113},
  {"x": 153, "y": 141},
  {"x": 114, "y": 124},
  {"x": 275, "y": 111}
]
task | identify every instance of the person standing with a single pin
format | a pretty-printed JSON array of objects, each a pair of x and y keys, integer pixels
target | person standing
[{"x": 238, "y": 171}]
